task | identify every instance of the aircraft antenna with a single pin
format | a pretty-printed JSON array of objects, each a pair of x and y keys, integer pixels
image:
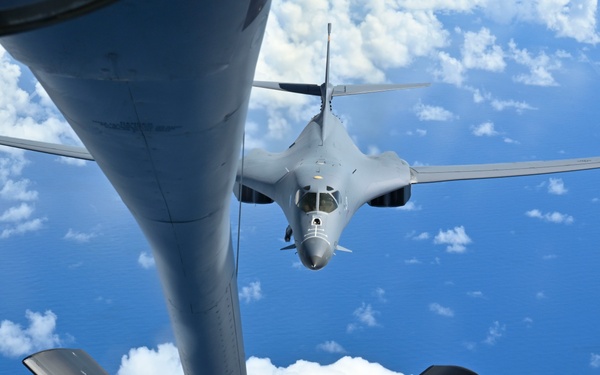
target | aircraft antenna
[{"x": 237, "y": 256}]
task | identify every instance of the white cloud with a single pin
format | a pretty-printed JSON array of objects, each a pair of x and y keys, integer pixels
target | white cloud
[
  {"x": 23, "y": 227},
  {"x": 412, "y": 260},
  {"x": 494, "y": 333},
  {"x": 331, "y": 347},
  {"x": 345, "y": 365},
  {"x": 479, "y": 51},
  {"x": 17, "y": 190},
  {"x": 441, "y": 310},
  {"x": 540, "y": 295},
  {"x": 251, "y": 292},
  {"x": 451, "y": 70},
  {"x": 364, "y": 316},
  {"x": 539, "y": 67},
  {"x": 501, "y": 105},
  {"x": 421, "y": 236},
  {"x": 144, "y": 361},
  {"x": 572, "y": 19},
  {"x": 165, "y": 360},
  {"x": 80, "y": 237},
  {"x": 29, "y": 115},
  {"x": 17, "y": 341},
  {"x": 556, "y": 186},
  {"x": 146, "y": 260},
  {"x": 385, "y": 36},
  {"x": 594, "y": 360},
  {"x": 432, "y": 113},
  {"x": 380, "y": 294},
  {"x": 551, "y": 217},
  {"x": 484, "y": 129},
  {"x": 17, "y": 213},
  {"x": 410, "y": 206},
  {"x": 569, "y": 19},
  {"x": 475, "y": 294},
  {"x": 511, "y": 141},
  {"x": 456, "y": 239}
]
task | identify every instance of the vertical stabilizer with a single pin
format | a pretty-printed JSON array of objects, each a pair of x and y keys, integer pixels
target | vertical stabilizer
[{"x": 327, "y": 58}]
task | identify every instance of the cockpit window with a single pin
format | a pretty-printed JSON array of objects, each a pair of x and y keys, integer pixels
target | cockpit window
[
  {"x": 326, "y": 202},
  {"x": 308, "y": 202}
]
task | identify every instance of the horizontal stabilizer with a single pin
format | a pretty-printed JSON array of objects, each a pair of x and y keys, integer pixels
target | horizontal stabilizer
[
  {"x": 342, "y": 90},
  {"x": 289, "y": 247},
  {"x": 342, "y": 248},
  {"x": 298, "y": 88},
  {"x": 339, "y": 90},
  {"x": 48, "y": 148},
  {"x": 447, "y": 370},
  {"x": 63, "y": 362}
]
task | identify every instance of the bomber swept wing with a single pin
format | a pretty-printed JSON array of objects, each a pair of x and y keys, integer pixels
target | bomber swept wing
[{"x": 426, "y": 174}]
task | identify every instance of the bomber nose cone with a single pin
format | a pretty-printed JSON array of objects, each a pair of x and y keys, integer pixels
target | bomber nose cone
[{"x": 316, "y": 253}]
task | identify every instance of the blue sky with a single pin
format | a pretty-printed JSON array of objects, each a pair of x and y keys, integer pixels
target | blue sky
[{"x": 499, "y": 276}]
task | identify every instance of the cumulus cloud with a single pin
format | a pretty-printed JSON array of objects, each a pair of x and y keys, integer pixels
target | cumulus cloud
[
  {"x": 479, "y": 51},
  {"x": 519, "y": 107},
  {"x": 345, "y": 365},
  {"x": 81, "y": 237},
  {"x": 539, "y": 67},
  {"x": 456, "y": 239},
  {"x": 251, "y": 292},
  {"x": 16, "y": 340},
  {"x": 450, "y": 69},
  {"x": 412, "y": 260},
  {"x": 495, "y": 332},
  {"x": 551, "y": 217},
  {"x": 146, "y": 260},
  {"x": 386, "y": 35},
  {"x": 331, "y": 347},
  {"x": 17, "y": 190},
  {"x": 410, "y": 206},
  {"x": 432, "y": 113},
  {"x": 475, "y": 294},
  {"x": 556, "y": 186},
  {"x": 441, "y": 310},
  {"x": 594, "y": 360},
  {"x": 421, "y": 236},
  {"x": 380, "y": 294},
  {"x": 29, "y": 115},
  {"x": 364, "y": 317},
  {"x": 484, "y": 129},
  {"x": 540, "y": 295},
  {"x": 23, "y": 227},
  {"x": 165, "y": 360},
  {"x": 17, "y": 213},
  {"x": 576, "y": 20}
]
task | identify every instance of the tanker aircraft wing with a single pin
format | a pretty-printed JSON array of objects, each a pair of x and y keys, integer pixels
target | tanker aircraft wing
[
  {"x": 47, "y": 148},
  {"x": 158, "y": 93}
]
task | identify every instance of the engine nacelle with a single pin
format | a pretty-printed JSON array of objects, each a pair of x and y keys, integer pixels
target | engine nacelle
[
  {"x": 396, "y": 198},
  {"x": 250, "y": 195}
]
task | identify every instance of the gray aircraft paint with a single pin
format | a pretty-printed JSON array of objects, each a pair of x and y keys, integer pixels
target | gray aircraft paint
[{"x": 158, "y": 94}]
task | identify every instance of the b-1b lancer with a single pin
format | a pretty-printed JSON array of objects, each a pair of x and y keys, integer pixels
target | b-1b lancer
[{"x": 322, "y": 179}]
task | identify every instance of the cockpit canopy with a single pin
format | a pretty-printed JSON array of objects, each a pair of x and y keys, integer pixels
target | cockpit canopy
[{"x": 317, "y": 201}]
